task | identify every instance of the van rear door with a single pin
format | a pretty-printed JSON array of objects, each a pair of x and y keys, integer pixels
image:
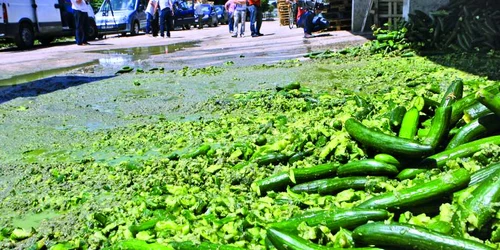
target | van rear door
[{"x": 48, "y": 14}]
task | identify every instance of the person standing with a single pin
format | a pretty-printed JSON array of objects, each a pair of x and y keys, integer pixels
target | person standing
[
  {"x": 255, "y": 17},
  {"x": 166, "y": 16},
  {"x": 198, "y": 11},
  {"x": 81, "y": 21},
  {"x": 239, "y": 15},
  {"x": 230, "y": 6},
  {"x": 150, "y": 13}
]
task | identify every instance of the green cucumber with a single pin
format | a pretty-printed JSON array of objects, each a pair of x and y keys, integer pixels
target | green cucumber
[
  {"x": 465, "y": 150},
  {"x": 134, "y": 229},
  {"x": 367, "y": 167},
  {"x": 269, "y": 244},
  {"x": 491, "y": 101},
  {"x": 201, "y": 150},
  {"x": 384, "y": 143},
  {"x": 406, "y": 236},
  {"x": 429, "y": 103},
  {"x": 365, "y": 106},
  {"x": 461, "y": 105},
  {"x": 301, "y": 175},
  {"x": 453, "y": 93},
  {"x": 440, "y": 227},
  {"x": 189, "y": 245},
  {"x": 299, "y": 156},
  {"x": 409, "y": 125},
  {"x": 287, "y": 241},
  {"x": 333, "y": 219},
  {"x": 410, "y": 173},
  {"x": 475, "y": 111},
  {"x": 477, "y": 128},
  {"x": 276, "y": 182},
  {"x": 271, "y": 158},
  {"x": 124, "y": 69},
  {"x": 483, "y": 173},
  {"x": 420, "y": 193},
  {"x": 478, "y": 207},
  {"x": 135, "y": 244},
  {"x": 290, "y": 86},
  {"x": 331, "y": 186},
  {"x": 439, "y": 127},
  {"x": 387, "y": 158},
  {"x": 279, "y": 181},
  {"x": 396, "y": 116},
  {"x": 418, "y": 102}
]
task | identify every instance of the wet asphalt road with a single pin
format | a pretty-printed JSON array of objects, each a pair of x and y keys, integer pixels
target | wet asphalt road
[{"x": 199, "y": 48}]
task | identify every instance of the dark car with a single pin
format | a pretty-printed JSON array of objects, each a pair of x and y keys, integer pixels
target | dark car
[
  {"x": 222, "y": 14},
  {"x": 209, "y": 15},
  {"x": 184, "y": 14}
]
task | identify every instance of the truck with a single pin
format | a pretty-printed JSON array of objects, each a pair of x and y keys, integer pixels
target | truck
[{"x": 24, "y": 21}]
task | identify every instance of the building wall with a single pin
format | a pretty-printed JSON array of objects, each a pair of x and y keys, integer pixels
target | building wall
[{"x": 359, "y": 8}]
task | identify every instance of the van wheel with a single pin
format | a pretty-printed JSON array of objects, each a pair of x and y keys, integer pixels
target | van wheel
[
  {"x": 135, "y": 29},
  {"x": 188, "y": 26},
  {"x": 26, "y": 37},
  {"x": 45, "y": 40},
  {"x": 92, "y": 31}
]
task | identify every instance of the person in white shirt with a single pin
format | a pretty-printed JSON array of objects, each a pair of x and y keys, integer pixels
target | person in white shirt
[
  {"x": 80, "y": 9},
  {"x": 166, "y": 16},
  {"x": 198, "y": 11},
  {"x": 150, "y": 13}
]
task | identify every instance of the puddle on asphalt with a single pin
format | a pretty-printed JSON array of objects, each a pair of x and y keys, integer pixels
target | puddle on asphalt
[
  {"x": 136, "y": 55},
  {"x": 114, "y": 59}
]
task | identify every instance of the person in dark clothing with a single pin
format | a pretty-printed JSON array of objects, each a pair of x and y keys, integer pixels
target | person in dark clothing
[
  {"x": 166, "y": 16},
  {"x": 80, "y": 10},
  {"x": 255, "y": 10},
  {"x": 312, "y": 21}
]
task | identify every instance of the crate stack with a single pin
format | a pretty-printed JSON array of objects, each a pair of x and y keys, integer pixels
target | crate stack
[
  {"x": 283, "y": 12},
  {"x": 388, "y": 11},
  {"x": 338, "y": 13}
]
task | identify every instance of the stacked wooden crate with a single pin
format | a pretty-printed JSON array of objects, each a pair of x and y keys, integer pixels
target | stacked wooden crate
[
  {"x": 388, "y": 11},
  {"x": 283, "y": 12},
  {"x": 338, "y": 13}
]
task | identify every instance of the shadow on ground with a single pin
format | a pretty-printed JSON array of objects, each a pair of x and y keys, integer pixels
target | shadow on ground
[
  {"x": 477, "y": 64},
  {"x": 44, "y": 86}
]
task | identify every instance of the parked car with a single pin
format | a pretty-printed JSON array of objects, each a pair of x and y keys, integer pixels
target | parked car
[
  {"x": 222, "y": 14},
  {"x": 121, "y": 16},
  {"x": 184, "y": 14},
  {"x": 24, "y": 21},
  {"x": 209, "y": 15}
]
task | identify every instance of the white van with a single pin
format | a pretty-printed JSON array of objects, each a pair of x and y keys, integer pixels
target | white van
[{"x": 23, "y": 21}]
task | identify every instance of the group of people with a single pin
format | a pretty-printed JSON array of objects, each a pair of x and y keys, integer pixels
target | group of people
[
  {"x": 166, "y": 16},
  {"x": 237, "y": 10}
]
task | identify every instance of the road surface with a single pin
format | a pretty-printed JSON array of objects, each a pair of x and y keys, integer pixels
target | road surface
[{"x": 212, "y": 46}]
